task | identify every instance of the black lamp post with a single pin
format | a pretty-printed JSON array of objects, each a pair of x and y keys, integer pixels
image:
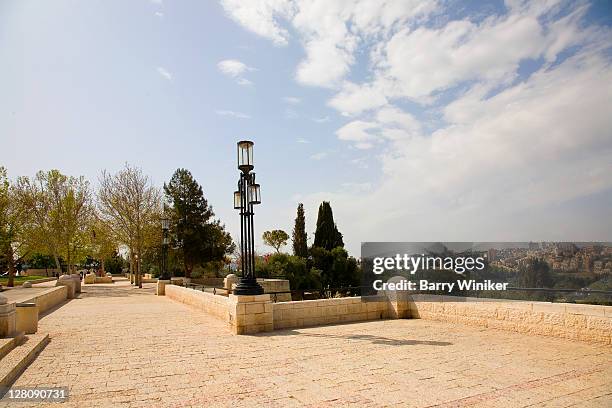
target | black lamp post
[
  {"x": 165, "y": 224},
  {"x": 245, "y": 198}
]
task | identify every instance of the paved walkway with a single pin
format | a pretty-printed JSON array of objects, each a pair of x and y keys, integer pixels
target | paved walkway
[{"x": 122, "y": 346}]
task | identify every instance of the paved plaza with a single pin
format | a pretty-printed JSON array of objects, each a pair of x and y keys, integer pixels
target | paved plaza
[{"x": 120, "y": 345}]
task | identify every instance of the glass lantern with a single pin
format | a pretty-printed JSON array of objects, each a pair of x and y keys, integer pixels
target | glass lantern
[
  {"x": 254, "y": 194},
  {"x": 237, "y": 200},
  {"x": 165, "y": 224},
  {"x": 245, "y": 155}
]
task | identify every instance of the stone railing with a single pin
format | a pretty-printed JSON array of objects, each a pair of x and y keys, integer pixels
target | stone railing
[
  {"x": 588, "y": 323},
  {"x": 211, "y": 304},
  {"x": 253, "y": 314},
  {"x": 327, "y": 311},
  {"x": 49, "y": 298}
]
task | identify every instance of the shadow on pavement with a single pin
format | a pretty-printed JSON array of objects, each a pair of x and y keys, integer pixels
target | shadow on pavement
[{"x": 360, "y": 337}]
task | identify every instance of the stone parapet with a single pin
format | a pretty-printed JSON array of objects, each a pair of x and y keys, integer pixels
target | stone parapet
[
  {"x": 328, "y": 311},
  {"x": 69, "y": 282},
  {"x": 27, "y": 318},
  {"x": 161, "y": 287},
  {"x": 250, "y": 314},
  {"x": 212, "y": 304},
  {"x": 588, "y": 323},
  {"x": 7, "y": 318}
]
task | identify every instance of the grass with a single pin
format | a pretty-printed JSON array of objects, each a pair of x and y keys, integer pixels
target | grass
[{"x": 20, "y": 279}]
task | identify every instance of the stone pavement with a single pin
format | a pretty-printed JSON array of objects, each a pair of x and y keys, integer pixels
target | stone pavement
[
  {"x": 20, "y": 294},
  {"x": 121, "y": 346}
]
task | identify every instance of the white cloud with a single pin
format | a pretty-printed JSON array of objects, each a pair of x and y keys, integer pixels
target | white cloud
[
  {"x": 233, "y": 68},
  {"x": 330, "y": 30},
  {"x": 238, "y": 115},
  {"x": 243, "y": 82},
  {"x": 157, "y": 1},
  {"x": 292, "y": 100},
  {"x": 164, "y": 72},
  {"x": 319, "y": 156},
  {"x": 260, "y": 17},
  {"x": 483, "y": 126},
  {"x": 357, "y": 131},
  {"x": 355, "y": 98},
  {"x": 159, "y": 14},
  {"x": 499, "y": 161},
  {"x": 302, "y": 140}
]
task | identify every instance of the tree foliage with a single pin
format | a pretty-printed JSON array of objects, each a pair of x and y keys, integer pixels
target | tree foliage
[
  {"x": 338, "y": 269},
  {"x": 130, "y": 206},
  {"x": 13, "y": 219},
  {"x": 294, "y": 268},
  {"x": 535, "y": 274},
  {"x": 275, "y": 238},
  {"x": 327, "y": 235},
  {"x": 198, "y": 237},
  {"x": 300, "y": 238},
  {"x": 60, "y": 209}
]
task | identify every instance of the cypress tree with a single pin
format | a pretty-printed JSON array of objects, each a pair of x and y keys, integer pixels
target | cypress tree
[
  {"x": 300, "y": 244},
  {"x": 327, "y": 235}
]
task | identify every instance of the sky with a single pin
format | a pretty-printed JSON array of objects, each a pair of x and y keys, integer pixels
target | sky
[{"x": 419, "y": 120}]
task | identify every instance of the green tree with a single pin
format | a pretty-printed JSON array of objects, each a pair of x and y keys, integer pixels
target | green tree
[
  {"x": 300, "y": 238},
  {"x": 293, "y": 268},
  {"x": 535, "y": 274},
  {"x": 130, "y": 207},
  {"x": 13, "y": 219},
  {"x": 61, "y": 210},
  {"x": 327, "y": 235},
  {"x": 198, "y": 237},
  {"x": 275, "y": 238},
  {"x": 338, "y": 269}
]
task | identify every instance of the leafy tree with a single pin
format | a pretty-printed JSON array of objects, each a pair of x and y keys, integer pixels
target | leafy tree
[
  {"x": 198, "y": 237},
  {"x": 276, "y": 239},
  {"x": 535, "y": 274},
  {"x": 293, "y": 268},
  {"x": 300, "y": 238},
  {"x": 103, "y": 243},
  {"x": 130, "y": 206},
  {"x": 338, "y": 269},
  {"x": 61, "y": 209},
  {"x": 13, "y": 218},
  {"x": 114, "y": 264},
  {"x": 327, "y": 235},
  {"x": 40, "y": 261}
]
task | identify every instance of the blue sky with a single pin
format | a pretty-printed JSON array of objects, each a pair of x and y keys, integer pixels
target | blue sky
[{"x": 418, "y": 120}]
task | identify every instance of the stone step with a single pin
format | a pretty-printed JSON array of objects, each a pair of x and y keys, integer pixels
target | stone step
[
  {"x": 8, "y": 344},
  {"x": 16, "y": 361}
]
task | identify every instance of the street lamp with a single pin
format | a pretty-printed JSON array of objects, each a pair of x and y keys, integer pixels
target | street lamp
[
  {"x": 245, "y": 198},
  {"x": 137, "y": 279},
  {"x": 165, "y": 224}
]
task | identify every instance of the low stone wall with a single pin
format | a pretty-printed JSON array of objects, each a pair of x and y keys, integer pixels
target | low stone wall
[
  {"x": 276, "y": 285},
  {"x": 214, "y": 282},
  {"x": 49, "y": 298},
  {"x": 43, "y": 272},
  {"x": 212, "y": 304},
  {"x": 588, "y": 323},
  {"x": 42, "y": 280},
  {"x": 252, "y": 314},
  {"x": 326, "y": 311}
]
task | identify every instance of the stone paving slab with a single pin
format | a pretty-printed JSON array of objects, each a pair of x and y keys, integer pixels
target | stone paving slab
[
  {"x": 122, "y": 346},
  {"x": 19, "y": 294}
]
